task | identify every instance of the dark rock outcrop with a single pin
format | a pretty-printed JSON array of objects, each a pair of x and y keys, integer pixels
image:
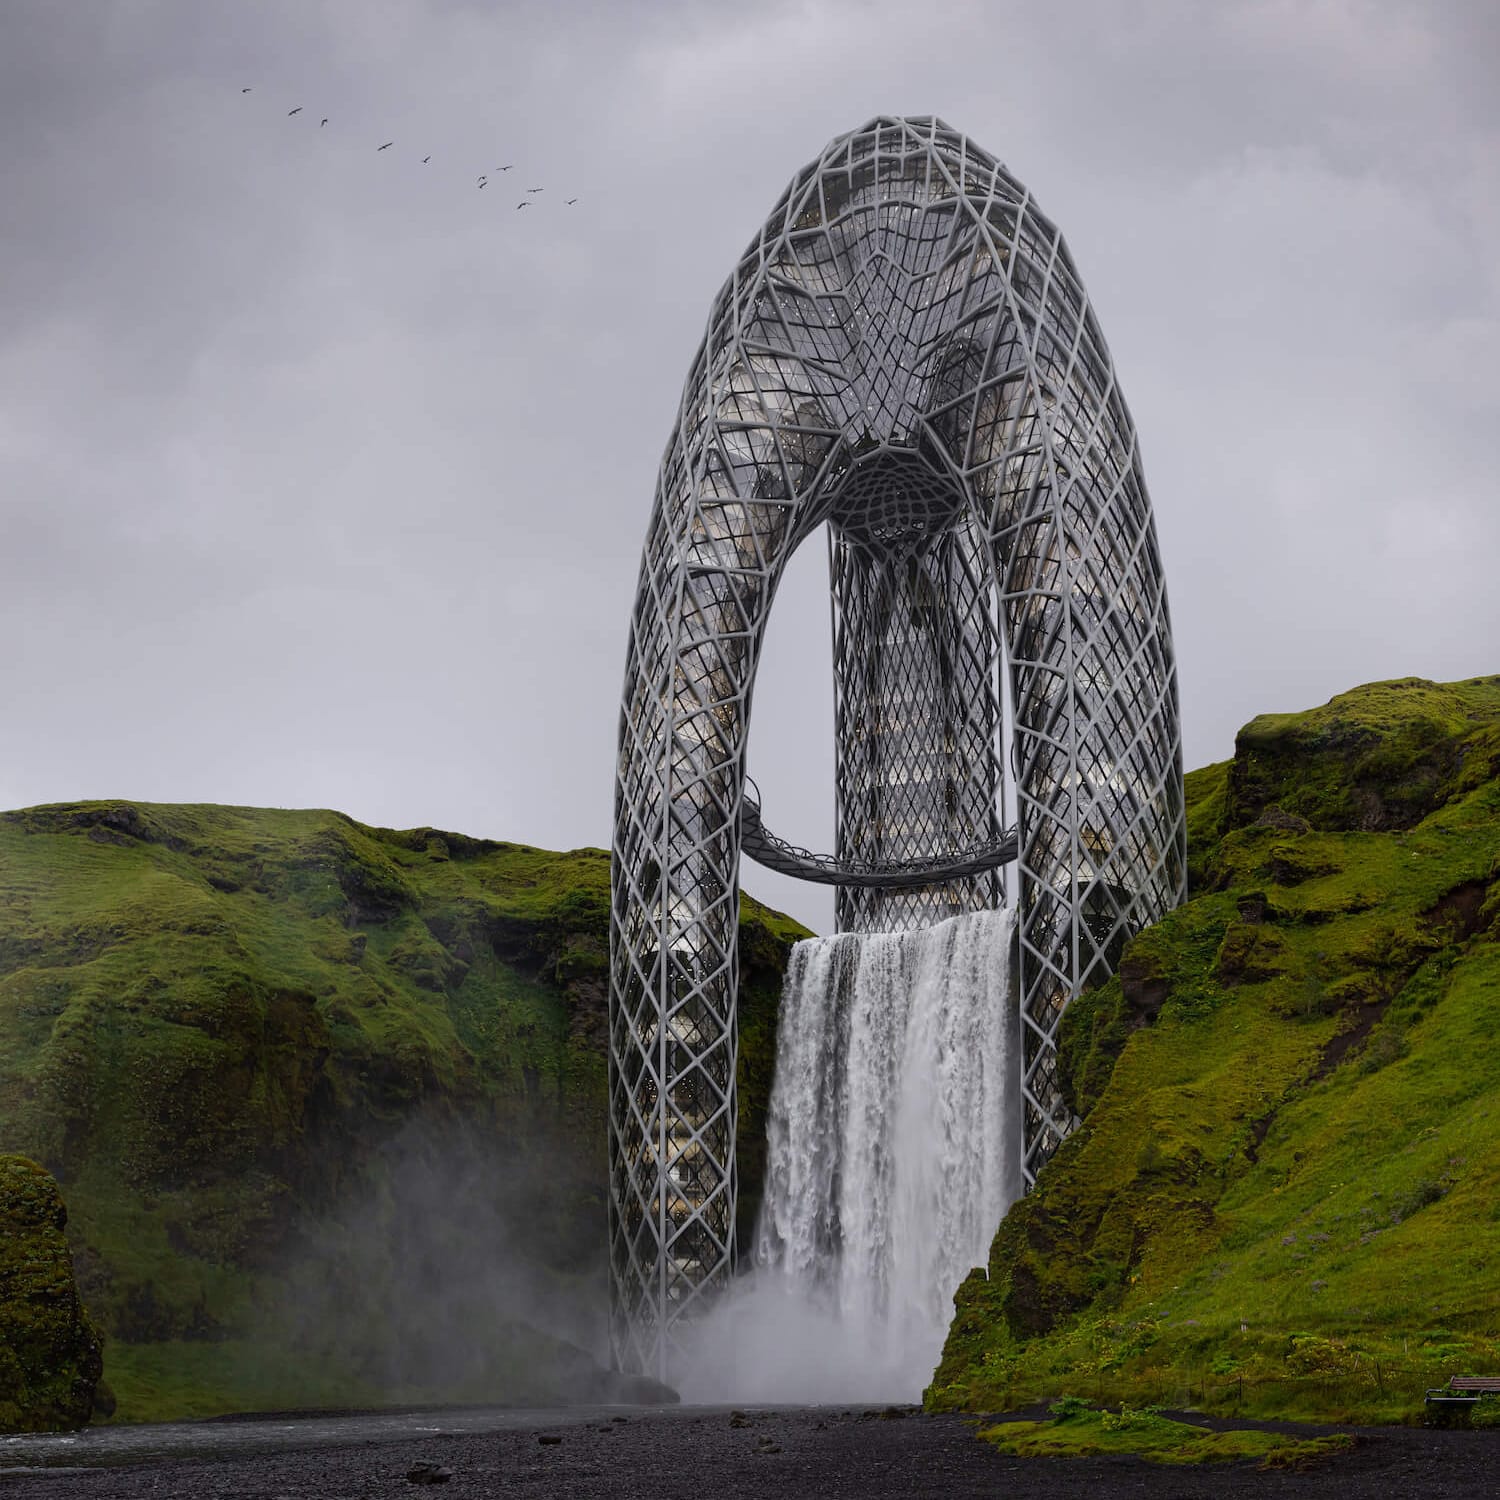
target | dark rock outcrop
[{"x": 50, "y": 1358}]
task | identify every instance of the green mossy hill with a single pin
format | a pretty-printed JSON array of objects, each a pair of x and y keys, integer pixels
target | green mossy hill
[
  {"x": 215, "y": 1020},
  {"x": 1283, "y": 1196},
  {"x": 50, "y": 1360}
]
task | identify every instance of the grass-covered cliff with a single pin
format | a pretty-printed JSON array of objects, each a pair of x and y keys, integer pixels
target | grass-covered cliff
[
  {"x": 1285, "y": 1194},
  {"x": 326, "y": 1102}
]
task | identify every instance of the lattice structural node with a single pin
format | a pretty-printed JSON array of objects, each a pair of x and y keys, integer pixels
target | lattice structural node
[{"x": 905, "y": 353}]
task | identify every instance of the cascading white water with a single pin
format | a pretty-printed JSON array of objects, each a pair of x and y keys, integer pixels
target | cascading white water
[{"x": 893, "y": 1149}]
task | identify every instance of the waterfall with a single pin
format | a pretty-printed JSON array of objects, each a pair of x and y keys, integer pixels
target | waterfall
[{"x": 892, "y": 1152}]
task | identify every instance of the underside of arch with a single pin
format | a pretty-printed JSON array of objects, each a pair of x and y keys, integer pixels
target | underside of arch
[{"x": 906, "y": 356}]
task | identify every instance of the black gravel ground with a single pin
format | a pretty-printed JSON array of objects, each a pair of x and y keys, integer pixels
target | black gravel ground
[{"x": 713, "y": 1454}]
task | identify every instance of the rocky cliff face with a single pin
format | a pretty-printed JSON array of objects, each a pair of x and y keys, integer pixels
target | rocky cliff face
[
  {"x": 279, "y": 1059},
  {"x": 1282, "y": 1196},
  {"x": 50, "y": 1360}
]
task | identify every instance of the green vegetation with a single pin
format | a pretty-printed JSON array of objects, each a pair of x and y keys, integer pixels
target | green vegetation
[
  {"x": 1078, "y": 1431},
  {"x": 49, "y": 1350},
  {"x": 1282, "y": 1198},
  {"x": 1486, "y": 1412},
  {"x": 194, "y": 1378},
  {"x": 220, "y": 1028}
]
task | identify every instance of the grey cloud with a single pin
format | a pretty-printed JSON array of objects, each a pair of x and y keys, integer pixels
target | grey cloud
[{"x": 323, "y": 475}]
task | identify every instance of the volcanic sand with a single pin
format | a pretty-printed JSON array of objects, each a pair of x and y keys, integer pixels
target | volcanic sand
[{"x": 714, "y": 1454}]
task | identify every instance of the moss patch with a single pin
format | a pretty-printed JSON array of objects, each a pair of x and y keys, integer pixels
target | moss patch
[{"x": 1079, "y": 1432}]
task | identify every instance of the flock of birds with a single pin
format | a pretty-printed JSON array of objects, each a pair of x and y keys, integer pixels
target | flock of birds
[{"x": 484, "y": 177}]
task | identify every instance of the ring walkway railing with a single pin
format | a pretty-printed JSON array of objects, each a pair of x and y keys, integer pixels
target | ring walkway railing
[{"x": 765, "y": 848}]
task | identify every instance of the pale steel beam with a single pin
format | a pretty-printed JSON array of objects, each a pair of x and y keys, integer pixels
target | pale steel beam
[{"x": 905, "y": 353}]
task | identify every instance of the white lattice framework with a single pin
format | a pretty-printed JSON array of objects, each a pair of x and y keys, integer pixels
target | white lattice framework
[{"x": 906, "y": 353}]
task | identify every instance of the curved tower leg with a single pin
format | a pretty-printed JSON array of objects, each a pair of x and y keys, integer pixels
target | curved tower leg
[
  {"x": 1095, "y": 737},
  {"x": 675, "y": 926},
  {"x": 750, "y": 439}
]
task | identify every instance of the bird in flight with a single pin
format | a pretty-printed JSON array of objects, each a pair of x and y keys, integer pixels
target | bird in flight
[{"x": 483, "y": 180}]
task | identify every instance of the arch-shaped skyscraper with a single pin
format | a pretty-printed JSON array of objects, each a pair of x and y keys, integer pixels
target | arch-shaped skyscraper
[{"x": 905, "y": 353}]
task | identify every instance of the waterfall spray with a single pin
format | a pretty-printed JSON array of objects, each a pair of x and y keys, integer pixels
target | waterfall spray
[{"x": 893, "y": 1149}]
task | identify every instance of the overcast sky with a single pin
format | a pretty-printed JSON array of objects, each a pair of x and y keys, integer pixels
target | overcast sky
[{"x": 324, "y": 473}]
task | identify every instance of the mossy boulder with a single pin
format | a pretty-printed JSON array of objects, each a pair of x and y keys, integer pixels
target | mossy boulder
[
  {"x": 1290, "y": 1097},
  {"x": 1381, "y": 757},
  {"x": 50, "y": 1352}
]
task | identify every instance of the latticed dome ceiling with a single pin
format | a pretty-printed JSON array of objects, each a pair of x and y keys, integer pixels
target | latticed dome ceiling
[{"x": 895, "y": 500}]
